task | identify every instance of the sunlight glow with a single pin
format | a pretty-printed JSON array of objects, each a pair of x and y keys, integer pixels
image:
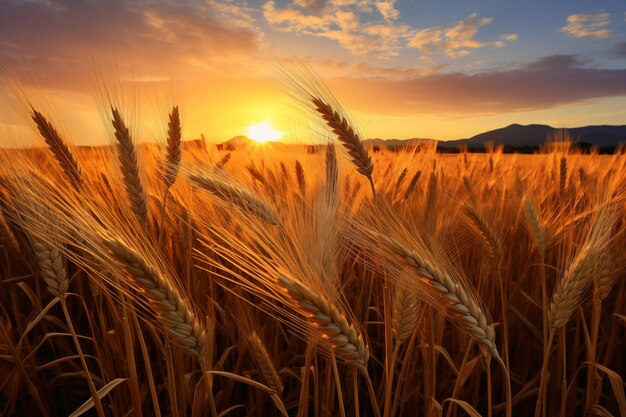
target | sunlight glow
[{"x": 263, "y": 132}]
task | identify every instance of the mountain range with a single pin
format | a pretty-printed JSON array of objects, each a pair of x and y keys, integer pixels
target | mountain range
[
  {"x": 513, "y": 136},
  {"x": 516, "y": 135}
]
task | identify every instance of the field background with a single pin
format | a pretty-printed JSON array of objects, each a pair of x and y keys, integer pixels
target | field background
[{"x": 270, "y": 279}]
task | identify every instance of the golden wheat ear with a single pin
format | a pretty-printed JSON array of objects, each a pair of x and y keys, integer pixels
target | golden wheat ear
[
  {"x": 328, "y": 322},
  {"x": 173, "y": 309},
  {"x": 347, "y": 136},
  {"x": 234, "y": 193},
  {"x": 174, "y": 152},
  {"x": 130, "y": 169},
  {"x": 59, "y": 148}
]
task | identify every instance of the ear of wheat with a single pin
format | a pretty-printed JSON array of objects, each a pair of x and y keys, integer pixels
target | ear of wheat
[
  {"x": 59, "y": 149},
  {"x": 264, "y": 362},
  {"x": 347, "y": 136},
  {"x": 570, "y": 289},
  {"x": 177, "y": 317},
  {"x": 174, "y": 153},
  {"x": 328, "y": 322},
  {"x": 230, "y": 191},
  {"x": 130, "y": 169}
]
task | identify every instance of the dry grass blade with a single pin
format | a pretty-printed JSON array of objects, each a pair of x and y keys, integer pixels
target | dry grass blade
[
  {"x": 235, "y": 194},
  {"x": 328, "y": 322},
  {"x": 130, "y": 169},
  {"x": 59, "y": 148},
  {"x": 171, "y": 307},
  {"x": 174, "y": 152}
]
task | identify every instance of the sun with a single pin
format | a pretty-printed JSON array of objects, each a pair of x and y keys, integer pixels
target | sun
[{"x": 263, "y": 132}]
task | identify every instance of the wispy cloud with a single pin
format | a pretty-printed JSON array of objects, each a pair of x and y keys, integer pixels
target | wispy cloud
[
  {"x": 582, "y": 25},
  {"x": 457, "y": 40},
  {"x": 366, "y": 27},
  {"x": 62, "y": 34},
  {"x": 509, "y": 37},
  {"x": 361, "y": 27}
]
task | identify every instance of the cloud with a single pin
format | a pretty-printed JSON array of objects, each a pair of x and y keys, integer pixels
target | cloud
[
  {"x": 510, "y": 37},
  {"x": 620, "y": 50},
  {"x": 343, "y": 21},
  {"x": 546, "y": 83},
  {"x": 374, "y": 28},
  {"x": 387, "y": 9},
  {"x": 455, "y": 41},
  {"x": 54, "y": 38},
  {"x": 582, "y": 25}
]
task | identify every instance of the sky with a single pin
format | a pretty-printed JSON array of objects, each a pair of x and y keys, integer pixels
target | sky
[{"x": 444, "y": 69}]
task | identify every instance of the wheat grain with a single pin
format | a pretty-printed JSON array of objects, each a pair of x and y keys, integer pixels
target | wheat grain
[{"x": 328, "y": 322}]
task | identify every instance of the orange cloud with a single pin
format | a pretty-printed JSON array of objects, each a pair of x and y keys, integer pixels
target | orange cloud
[
  {"x": 584, "y": 25},
  {"x": 457, "y": 40}
]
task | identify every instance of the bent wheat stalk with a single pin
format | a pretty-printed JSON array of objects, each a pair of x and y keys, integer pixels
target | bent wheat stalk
[
  {"x": 179, "y": 320},
  {"x": 233, "y": 193},
  {"x": 348, "y": 138},
  {"x": 461, "y": 307},
  {"x": 328, "y": 322}
]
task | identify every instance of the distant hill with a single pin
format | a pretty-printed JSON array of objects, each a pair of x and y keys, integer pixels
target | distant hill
[
  {"x": 512, "y": 136},
  {"x": 516, "y": 135},
  {"x": 244, "y": 142},
  {"x": 398, "y": 142}
]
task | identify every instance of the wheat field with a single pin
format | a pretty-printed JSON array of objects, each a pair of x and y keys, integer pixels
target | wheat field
[{"x": 183, "y": 279}]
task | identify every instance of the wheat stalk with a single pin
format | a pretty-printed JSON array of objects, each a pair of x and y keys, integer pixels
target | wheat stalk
[
  {"x": 172, "y": 309},
  {"x": 484, "y": 229},
  {"x": 237, "y": 195},
  {"x": 223, "y": 161},
  {"x": 347, "y": 136},
  {"x": 300, "y": 178},
  {"x": 130, "y": 169},
  {"x": 538, "y": 231},
  {"x": 406, "y": 314},
  {"x": 59, "y": 148},
  {"x": 610, "y": 270},
  {"x": 570, "y": 289},
  {"x": 328, "y": 322},
  {"x": 563, "y": 176},
  {"x": 174, "y": 153},
  {"x": 401, "y": 178},
  {"x": 264, "y": 362},
  {"x": 332, "y": 173},
  {"x": 457, "y": 300},
  {"x": 412, "y": 184}
]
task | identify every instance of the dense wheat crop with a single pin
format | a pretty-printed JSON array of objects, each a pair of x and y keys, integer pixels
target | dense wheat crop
[{"x": 185, "y": 279}]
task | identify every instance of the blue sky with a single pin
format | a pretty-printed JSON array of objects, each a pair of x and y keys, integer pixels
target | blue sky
[{"x": 406, "y": 68}]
